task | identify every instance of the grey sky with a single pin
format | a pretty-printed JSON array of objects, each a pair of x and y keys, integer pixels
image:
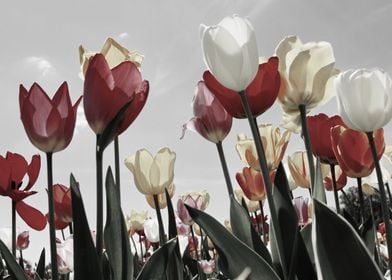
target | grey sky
[{"x": 40, "y": 42}]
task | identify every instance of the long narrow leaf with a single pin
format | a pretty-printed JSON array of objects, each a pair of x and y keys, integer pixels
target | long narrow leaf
[
  {"x": 41, "y": 265},
  {"x": 12, "y": 265}
]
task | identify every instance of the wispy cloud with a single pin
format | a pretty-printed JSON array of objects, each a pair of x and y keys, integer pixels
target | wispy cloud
[
  {"x": 122, "y": 36},
  {"x": 42, "y": 64}
]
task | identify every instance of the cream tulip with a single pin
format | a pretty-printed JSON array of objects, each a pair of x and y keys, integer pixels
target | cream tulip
[
  {"x": 306, "y": 71},
  {"x": 135, "y": 221},
  {"x": 161, "y": 197},
  {"x": 114, "y": 54},
  {"x": 152, "y": 174},
  {"x": 230, "y": 51},
  {"x": 364, "y": 98},
  {"x": 151, "y": 230}
]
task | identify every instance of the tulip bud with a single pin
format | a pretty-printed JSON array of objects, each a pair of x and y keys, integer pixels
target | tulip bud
[
  {"x": 135, "y": 221},
  {"x": 23, "y": 240},
  {"x": 151, "y": 230}
]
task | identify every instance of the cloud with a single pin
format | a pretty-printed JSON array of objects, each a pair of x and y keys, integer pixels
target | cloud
[
  {"x": 122, "y": 36},
  {"x": 81, "y": 121},
  {"x": 40, "y": 63}
]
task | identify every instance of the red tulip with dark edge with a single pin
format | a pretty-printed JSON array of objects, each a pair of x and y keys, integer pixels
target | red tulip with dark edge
[
  {"x": 13, "y": 168},
  {"x": 62, "y": 206},
  {"x": 49, "y": 123},
  {"x": 107, "y": 90},
  {"x": 261, "y": 92}
]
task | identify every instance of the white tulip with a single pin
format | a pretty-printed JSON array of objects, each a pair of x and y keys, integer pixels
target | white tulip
[
  {"x": 306, "y": 71},
  {"x": 230, "y": 52},
  {"x": 364, "y": 98},
  {"x": 65, "y": 255},
  {"x": 151, "y": 230}
]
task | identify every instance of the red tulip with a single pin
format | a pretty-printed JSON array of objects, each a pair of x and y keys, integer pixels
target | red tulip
[
  {"x": 252, "y": 183},
  {"x": 320, "y": 136},
  {"x": 49, "y": 124},
  {"x": 210, "y": 119},
  {"x": 107, "y": 90},
  {"x": 261, "y": 93},
  {"x": 13, "y": 168},
  {"x": 62, "y": 206},
  {"x": 352, "y": 150},
  {"x": 301, "y": 207},
  {"x": 341, "y": 179},
  {"x": 23, "y": 240}
]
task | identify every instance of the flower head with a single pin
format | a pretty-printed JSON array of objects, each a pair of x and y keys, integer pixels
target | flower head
[
  {"x": 198, "y": 200},
  {"x": 49, "y": 123},
  {"x": 161, "y": 197},
  {"x": 135, "y": 221},
  {"x": 62, "y": 206},
  {"x": 252, "y": 183},
  {"x": 252, "y": 206}
]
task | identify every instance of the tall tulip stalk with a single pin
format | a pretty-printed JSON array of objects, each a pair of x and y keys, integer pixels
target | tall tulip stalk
[
  {"x": 49, "y": 124},
  {"x": 230, "y": 52},
  {"x": 365, "y": 104}
]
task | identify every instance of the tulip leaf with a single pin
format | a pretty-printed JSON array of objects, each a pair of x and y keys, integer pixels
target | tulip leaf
[
  {"x": 12, "y": 265},
  {"x": 369, "y": 235},
  {"x": 244, "y": 231},
  {"x": 306, "y": 234},
  {"x": 40, "y": 270},
  {"x": 110, "y": 131},
  {"x": 294, "y": 248},
  {"x": 171, "y": 216},
  {"x": 234, "y": 254},
  {"x": 156, "y": 266},
  {"x": 86, "y": 265},
  {"x": 318, "y": 188},
  {"x": 116, "y": 235},
  {"x": 339, "y": 251}
]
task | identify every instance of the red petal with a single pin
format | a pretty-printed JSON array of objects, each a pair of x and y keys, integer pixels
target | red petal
[
  {"x": 33, "y": 171},
  {"x": 62, "y": 101},
  {"x": 33, "y": 217},
  {"x": 5, "y": 176},
  {"x": 18, "y": 167},
  {"x": 127, "y": 77}
]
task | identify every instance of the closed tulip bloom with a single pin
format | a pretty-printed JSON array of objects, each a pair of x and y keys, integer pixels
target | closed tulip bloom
[
  {"x": 23, "y": 240},
  {"x": 210, "y": 119},
  {"x": 108, "y": 90},
  {"x": 261, "y": 93},
  {"x": 114, "y": 54},
  {"x": 198, "y": 200},
  {"x": 65, "y": 255},
  {"x": 364, "y": 98},
  {"x": 301, "y": 207},
  {"x": 151, "y": 230},
  {"x": 341, "y": 179},
  {"x": 135, "y": 221},
  {"x": 230, "y": 51},
  {"x": 274, "y": 144},
  {"x": 13, "y": 169},
  {"x": 352, "y": 150},
  {"x": 252, "y": 183},
  {"x": 320, "y": 136},
  {"x": 299, "y": 169},
  {"x": 202, "y": 196},
  {"x": 306, "y": 71},
  {"x": 152, "y": 174},
  {"x": 62, "y": 206},
  {"x": 252, "y": 206},
  {"x": 49, "y": 123},
  {"x": 161, "y": 197}
]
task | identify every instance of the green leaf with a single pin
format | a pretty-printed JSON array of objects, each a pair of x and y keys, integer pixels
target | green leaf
[
  {"x": 244, "y": 231},
  {"x": 171, "y": 216},
  {"x": 294, "y": 249},
  {"x": 110, "y": 131},
  {"x": 86, "y": 264},
  {"x": 318, "y": 189},
  {"x": 115, "y": 233},
  {"x": 306, "y": 234},
  {"x": 12, "y": 265},
  {"x": 338, "y": 249},
  {"x": 41, "y": 265},
  {"x": 234, "y": 254},
  {"x": 369, "y": 235},
  {"x": 155, "y": 268}
]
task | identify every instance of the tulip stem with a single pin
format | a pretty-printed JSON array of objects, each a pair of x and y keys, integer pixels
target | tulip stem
[
  {"x": 375, "y": 233},
  {"x": 384, "y": 205},
  {"x": 259, "y": 230},
  {"x": 361, "y": 199},
  {"x": 160, "y": 223},
  {"x": 225, "y": 169},
  {"x": 265, "y": 240},
  {"x": 335, "y": 189},
  {"x": 13, "y": 227},
  {"x": 389, "y": 192},
  {"x": 117, "y": 166},
  {"x": 52, "y": 231},
  {"x": 99, "y": 171},
  {"x": 194, "y": 243},
  {"x": 308, "y": 145},
  {"x": 268, "y": 185}
]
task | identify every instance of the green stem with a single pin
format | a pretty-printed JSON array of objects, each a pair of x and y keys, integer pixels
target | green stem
[
  {"x": 117, "y": 166},
  {"x": 375, "y": 234},
  {"x": 335, "y": 189},
  {"x": 225, "y": 169},
  {"x": 52, "y": 231},
  {"x": 361, "y": 199},
  {"x": 99, "y": 174},
  {"x": 160, "y": 223},
  {"x": 13, "y": 228},
  {"x": 384, "y": 205},
  {"x": 389, "y": 191},
  {"x": 308, "y": 146},
  {"x": 194, "y": 243},
  {"x": 267, "y": 182},
  {"x": 257, "y": 224}
]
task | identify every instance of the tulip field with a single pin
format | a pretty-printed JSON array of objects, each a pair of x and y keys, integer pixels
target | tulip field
[{"x": 271, "y": 232}]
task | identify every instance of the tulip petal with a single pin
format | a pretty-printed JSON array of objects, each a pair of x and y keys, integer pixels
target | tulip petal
[
  {"x": 143, "y": 163},
  {"x": 18, "y": 167},
  {"x": 33, "y": 217},
  {"x": 62, "y": 101},
  {"x": 127, "y": 77},
  {"x": 284, "y": 46},
  {"x": 297, "y": 73}
]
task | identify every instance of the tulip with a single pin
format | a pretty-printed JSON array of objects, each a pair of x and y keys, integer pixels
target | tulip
[
  {"x": 230, "y": 51},
  {"x": 152, "y": 174},
  {"x": 198, "y": 200},
  {"x": 261, "y": 92},
  {"x": 114, "y": 54},
  {"x": 306, "y": 71},
  {"x": 252, "y": 183},
  {"x": 135, "y": 221},
  {"x": 49, "y": 123},
  {"x": 320, "y": 136},
  {"x": 301, "y": 207},
  {"x": 341, "y": 180},
  {"x": 161, "y": 197},
  {"x": 23, "y": 240},
  {"x": 65, "y": 255},
  {"x": 274, "y": 144},
  {"x": 107, "y": 91},
  {"x": 202, "y": 196},
  {"x": 299, "y": 169},
  {"x": 252, "y": 206},
  {"x": 62, "y": 206},
  {"x": 206, "y": 266},
  {"x": 364, "y": 98},
  {"x": 352, "y": 150},
  {"x": 210, "y": 118},
  {"x": 151, "y": 230}
]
